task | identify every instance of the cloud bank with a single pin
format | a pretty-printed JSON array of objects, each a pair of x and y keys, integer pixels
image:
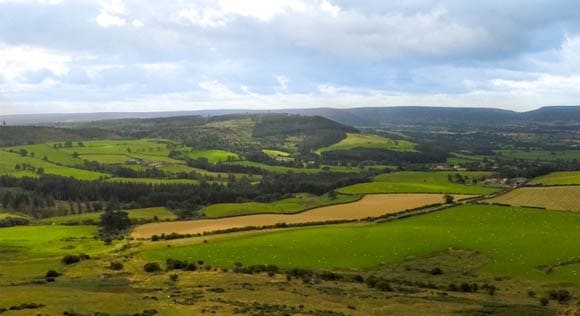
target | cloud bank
[{"x": 129, "y": 55}]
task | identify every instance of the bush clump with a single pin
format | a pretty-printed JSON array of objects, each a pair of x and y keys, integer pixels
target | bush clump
[
  {"x": 70, "y": 259},
  {"x": 152, "y": 267}
]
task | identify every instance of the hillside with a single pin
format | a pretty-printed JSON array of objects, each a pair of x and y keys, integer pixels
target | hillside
[{"x": 364, "y": 116}]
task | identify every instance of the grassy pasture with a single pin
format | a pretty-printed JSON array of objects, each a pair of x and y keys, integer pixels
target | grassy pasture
[
  {"x": 565, "y": 198},
  {"x": 294, "y": 204},
  {"x": 541, "y": 155},
  {"x": 53, "y": 155},
  {"x": 26, "y": 242},
  {"x": 9, "y": 160},
  {"x": 214, "y": 155},
  {"x": 4, "y": 215},
  {"x": 154, "y": 181},
  {"x": 420, "y": 182},
  {"x": 560, "y": 178},
  {"x": 509, "y": 236},
  {"x": 353, "y": 140},
  {"x": 275, "y": 153},
  {"x": 138, "y": 214},
  {"x": 154, "y": 147},
  {"x": 109, "y": 159},
  {"x": 283, "y": 169}
]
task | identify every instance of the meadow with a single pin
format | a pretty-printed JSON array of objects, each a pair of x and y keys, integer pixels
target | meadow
[
  {"x": 509, "y": 236},
  {"x": 541, "y": 155},
  {"x": 353, "y": 140},
  {"x": 214, "y": 155},
  {"x": 29, "y": 242},
  {"x": 297, "y": 203},
  {"x": 9, "y": 161},
  {"x": 161, "y": 213},
  {"x": 420, "y": 182},
  {"x": 564, "y": 198},
  {"x": 369, "y": 206},
  {"x": 559, "y": 178},
  {"x": 322, "y": 168}
]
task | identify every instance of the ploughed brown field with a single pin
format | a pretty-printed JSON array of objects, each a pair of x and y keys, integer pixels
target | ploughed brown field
[{"x": 369, "y": 206}]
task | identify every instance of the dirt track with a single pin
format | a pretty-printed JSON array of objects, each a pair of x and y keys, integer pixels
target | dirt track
[{"x": 369, "y": 206}]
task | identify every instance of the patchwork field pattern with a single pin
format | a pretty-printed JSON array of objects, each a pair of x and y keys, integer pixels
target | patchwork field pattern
[
  {"x": 510, "y": 236},
  {"x": 368, "y": 206}
]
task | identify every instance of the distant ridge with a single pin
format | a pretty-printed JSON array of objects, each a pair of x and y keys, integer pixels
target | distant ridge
[{"x": 360, "y": 117}]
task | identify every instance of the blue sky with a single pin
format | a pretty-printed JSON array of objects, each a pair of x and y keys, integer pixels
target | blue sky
[{"x": 130, "y": 55}]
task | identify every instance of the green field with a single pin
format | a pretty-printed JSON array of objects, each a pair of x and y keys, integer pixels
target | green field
[
  {"x": 419, "y": 182},
  {"x": 295, "y": 204},
  {"x": 214, "y": 155},
  {"x": 54, "y": 155},
  {"x": 4, "y": 215},
  {"x": 564, "y": 198},
  {"x": 559, "y": 178},
  {"x": 153, "y": 147},
  {"x": 541, "y": 155},
  {"x": 154, "y": 181},
  {"x": 322, "y": 168},
  {"x": 137, "y": 214},
  {"x": 369, "y": 141},
  {"x": 49, "y": 240},
  {"x": 508, "y": 236},
  {"x": 459, "y": 158},
  {"x": 8, "y": 162}
]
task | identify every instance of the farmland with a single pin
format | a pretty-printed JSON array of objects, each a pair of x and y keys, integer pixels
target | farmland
[
  {"x": 285, "y": 214},
  {"x": 213, "y": 155},
  {"x": 541, "y": 155},
  {"x": 420, "y": 182},
  {"x": 507, "y": 235},
  {"x": 560, "y": 178},
  {"x": 368, "y": 206},
  {"x": 294, "y": 204},
  {"x": 564, "y": 198},
  {"x": 159, "y": 213},
  {"x": 369, "y": 141}
]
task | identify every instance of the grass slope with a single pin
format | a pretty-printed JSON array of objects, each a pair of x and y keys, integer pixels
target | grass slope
[
  {"x": 44, "y": 241},
  {"x": 565, "y": 198},
  {"x": 138, "y": 214},
  {"x": 541, "y": 155},
  {"x": 419, "y": 182},
  {"x": 509, "y": 236},
  {"x": 353, "y": 140},
  {"x": 214, "y": 155},
  {"x": 560, "y": 178},
  {"x": 291, "y": 205},
  {"x": 9, "y": 160}
]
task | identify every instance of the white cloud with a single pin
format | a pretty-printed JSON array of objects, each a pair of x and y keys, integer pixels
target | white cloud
[
  {"x": 283, "y": 82},
  {"x": 137, "y": 23},
  {"x": 111, "y": 13},
  {"x": 16, "y": 61},
  {"x": 222, "y": 12},
  {"x": 216, "y": 89}
]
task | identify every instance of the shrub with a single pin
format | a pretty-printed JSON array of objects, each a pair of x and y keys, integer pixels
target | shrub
[
  {"x": 436, "y": 271},
  {"x": 544, "y": 301},
  {"x": 174, "y": 264},
  {"x": 70, "y": 259},
  {"x": 115, "y": 265},
  {"x": 173, "y": 277},
  {"x": 562, "y": 296},
  {"x": 152, "y": 267},
  {"x": 52, "y": 274}
]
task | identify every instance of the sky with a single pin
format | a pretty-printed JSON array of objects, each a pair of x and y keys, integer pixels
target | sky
[{"x": 61, "y": 56}]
